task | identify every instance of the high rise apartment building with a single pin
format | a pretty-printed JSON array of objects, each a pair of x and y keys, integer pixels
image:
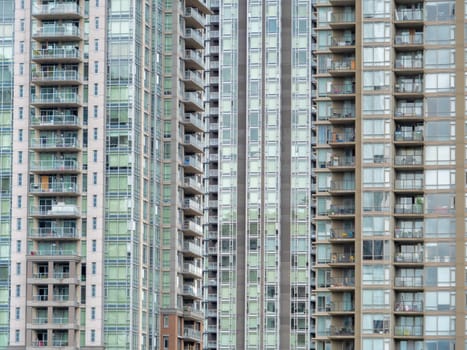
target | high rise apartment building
[
  {"x": 390, "y": 237},
  {"x": 265, "y": 175},
  {"x": 80, "y": 187}
]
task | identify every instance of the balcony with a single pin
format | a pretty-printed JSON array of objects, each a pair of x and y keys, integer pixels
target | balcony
[
  {"x": 191, "y": 334},
  {"x": 58, "y": 10},
  {"x": 409, "y": 17},
  {"x": 408, "y": 136},
  {"x": 192, "y": 165},
  {"x": 408, "y": 258},
  {"x": 409, "y": 65},
  {"x": 342, "y": 187},
  {"x": 342, "y": 67},
  {"x": 407, "y": 111},
  {"x": 55, "y": 143},
  {"x": 194, "y": 19},
  {"x": 193, "y": 80},
  {"x": 192, "y": 207},
  {"x": 409, "y": 185},
  {"x": 193, "y": 122},
  {"x": 193, "y": 312},
  {"x": 57, "y": 120},
  {"x": 69, "y": 99},
  {"x": 408, "y": 282},
  {"x": 193, "y": 102},
  {"x": 58, "y": 210},
  {"x": 55, "y": 188},
  {"x": 192, "y": 249},
  {"x": 409, "y": 40},
  {"x": 193, "y": 144},
  {"x": 406, "y": 88},
  {"x": 342, "y": 91},
  {"x": 192, "y": 186},
  {"x": 341, "y": 332},
  {"x": 54, "y": 77},
  {"x": 192, "y": 270},
  {"x": 342, "y": 19},
  {"x": 343, "y": 139},
  {"x": 341, "y": 211},
  {"x": 411, "y": 161},
  {"x": 194, "y": 60},
  {"x": 410, "y": 234},
  {"x": 408, "y": 331},
  {"x": 341, "y": 236},
  {"x": 55, "y": 166},
  {"x": 408, "y": 209},
  {"x": 342, "y": 282},
  {"x": 193, "y": 39},
  {"x": 191, "y": 227},
  {"x": 201, "y": 5},
  {"x": 58, "y": 32},
  {"x": 412, "y": 306},
  {"x": 54, "y": 252},
  {"x": 343, "y": 44},
  {"x": 55, "y": 55},
  {"x": 191, "y": 290},
  {"x": 338, "y": 163},
  {"x": 338, "y": 258}
]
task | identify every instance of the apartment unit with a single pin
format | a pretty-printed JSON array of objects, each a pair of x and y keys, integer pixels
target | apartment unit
[
  {"x": 390, "y": 240},
  {"x": 264, "y": 177},
  {"x": 82, "y": 178}
]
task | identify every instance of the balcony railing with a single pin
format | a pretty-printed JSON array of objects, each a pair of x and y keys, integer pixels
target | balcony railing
[
  {"x": 344, "y": 64},
  {"x": 54, "y": 165},
  {"x": 193, "y": 141},
  {"x": 55, "y": 142},
  {"x": 59, "y": 30},
  {"x": 194, "y": 119},
  {"x": 409, "y": 15},
  {"x": 55, "y": 119},
  {"x": 56, "y": 8},
  {"x": 55, "y": 210},
  {"x": 409, "y": 184},
  {"x": 189, "y": 225},
  {"x": 342, "y": 282},
  {"x": 409, "y": 39},
  {"x": 195, "y": 36},
  {"x": 192, "y": 269},
  {"x": 409, "y": 160},
  {"x": 342, "y": 185},
  {"x": 342, "y": 17},
  {"x": 191, "y": 333},
  {"x": 56, "y": 53},
  {"x": 194, "y": 13},
  {"x": 408, "y": 136},
  {"x": 410, "y": 282},
  {"x": 343, "y": 42},
  {"x": 408, "y": 209},
  {"x": 339, "y": 258},
  {"x": 53, "y": 252},
  {"x": 191, "y": 204},
  {"x": 56, "y": 97},
  {"x": 409, "y": 111},
  {"x": 416, "y": 257},
  {"x": 408, "y": 233},
  {"x": 192, "y": 247},
  {"x": 342, "y": 89},
  {"x": 195, "y": 56},
  {"x": 408, "y": 331},
  {"x": 56, "y": 75},
  {"x": 341, "y": 210},
  {"x": 56, "y": 232},
  {"x": 408, "y": 306},
  {"x": 409, "y": 87},
  {"x": 63, "y": 297},
  {"x": 408, "y": 63}
]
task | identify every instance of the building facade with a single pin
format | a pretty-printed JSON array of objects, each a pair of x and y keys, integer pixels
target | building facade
[
  {"x": 390, "y": 237},
  {"x": 264, "y": 177}
]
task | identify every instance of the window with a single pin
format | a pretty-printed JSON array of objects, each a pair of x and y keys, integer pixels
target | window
[
  {"x": 376, "y": 56},
  {"x": 94, "y": 245},
  {"x": 19, "y": 201},
  {"x": 20, "y": 179},
  {"x": 18, "y": 246},
  {"x": 20, "y": 135},
  {"x": 95, "y": 133},
  {"x": 93, "y": 268},
  {"x": 21, "y": 91},
  {"x": 18, "y": 290},
  {"x": 18, "y": 224},
  {"x": 17, "y": 313},
  {"x": 440, "y": 82},
  {"x": 375, "y": 299},
  {"x": 96, "y": 111},
  {"x": 93, "y": 313},
  {"x": 96, "y": 22},
  {"x": 93, "y": 335},
  {"x": 375, "y": 274},
  {"x": 94, "y": 200},
  {"x": 376, "y": 177},
  {"x": 94, "y": 223},
  {"x": 376, "y": 32},
  {"x": 17, "y": 335},
  {"x": 20, "y": 112},
  {"x": 21, "y": 68},
  {"x": 21, "y": 47},
  {"x": 93, "y": 290},
  {"x": 96, "y": 67},
  {"x": 166, "y": 321},
  {"x": 94, "y": 156},
  {"x": 96, "y": 44},
  {"x": 94, "y": 178},
  {"x": 21, "y": 25},
  {"x": 20, "y": 157},
  {"x": 18, "y": 268},
  {"x": 376, "y": 80},
  {"x": 165, "y": 342}
]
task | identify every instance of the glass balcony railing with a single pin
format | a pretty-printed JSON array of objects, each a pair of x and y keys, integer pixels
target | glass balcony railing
[
  {"x": 56, "y": 53},
  {"x": 342, "y": 185},
  {"x": 341, "y": 210},
  {"x": 409, "y": 15},
  {"x": 191, "y": 333},
  {"x": 408, "y": 209},
  {"x": 55, "y": 75},
  {"x": 55, "y": 165},
  {"x": 54, "y": 252},
  {"x": 342, "y": 17},
  {"x": 56, "y": 97},
  {"x": 194, "y": 56},
  {"x": 56, "y": 8},
  {"x": 409, "y": 38},
  {"x": 195, "y": 15},
  {"x": 408, "y": 135},
  {"x": 192, "y": 269},
  {"x": 195, "y": 36},
  {"x": 409, "y": 184},
  {"x": 408, "y": 160},
  {"x": 342, "y": 282},
  {"x": 342, "y": 89},
  {"x": 408, "y": 257},
  {"x": 408, "y": 306},
  {"x": 58, "y": 30},
  {"x": 408, "y": 331},
  {"x": 408, "y": 63},
  {"x": 55, "y": 119},
  {"x": 409, "y": 110},
  {"x": 55, "y": 142},
  {"x": 194, "y": 119},
  {"x": 409, "y": 282},
  {"x": 192, "y": 248},
  {"x": 55, "y": 232},
  {"x": 55, "y": 210},
  {"x": 408, "y": 233}
]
